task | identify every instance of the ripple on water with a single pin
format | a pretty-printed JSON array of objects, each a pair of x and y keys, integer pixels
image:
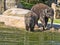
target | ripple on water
[{"x": 53, "y": 42}]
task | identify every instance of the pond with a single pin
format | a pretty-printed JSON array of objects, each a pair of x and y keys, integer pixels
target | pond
[{"x": 52, "y": 42}]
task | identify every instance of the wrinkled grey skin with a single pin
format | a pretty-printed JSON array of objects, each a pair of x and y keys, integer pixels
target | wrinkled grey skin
[
  {"x": 30, "y": 21},
  {"x": 43, "y": 13}
]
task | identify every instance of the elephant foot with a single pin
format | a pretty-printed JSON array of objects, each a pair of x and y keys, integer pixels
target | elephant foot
[{"x": 32, "y": 30}]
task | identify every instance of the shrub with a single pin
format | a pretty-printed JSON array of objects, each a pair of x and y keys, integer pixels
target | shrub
[{"x": 27, "y": 5}]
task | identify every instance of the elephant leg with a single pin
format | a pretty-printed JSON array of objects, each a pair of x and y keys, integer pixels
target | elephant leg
[
  {"x": 27, "y": 27},
  {"x": 27, "y": 21},
  {"x": 43, "y": 23},
  {"x": 51, "y": 25},
  {"x": 46, "y": 21},
  {"x": 32, "y": 25},
  {"x": 31, "y": 28},
  {"x": 36, "y": 22}
]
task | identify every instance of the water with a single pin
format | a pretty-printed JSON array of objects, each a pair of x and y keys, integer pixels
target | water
[{"x": 53, "y": 42}]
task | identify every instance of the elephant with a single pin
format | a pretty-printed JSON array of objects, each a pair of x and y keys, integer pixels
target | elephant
[
  {"x": 30, "y": 21},
  {"x": 44, "y": 12}
]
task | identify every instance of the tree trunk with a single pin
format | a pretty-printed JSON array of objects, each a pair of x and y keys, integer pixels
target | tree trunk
[{"x": 4, "y": 5}]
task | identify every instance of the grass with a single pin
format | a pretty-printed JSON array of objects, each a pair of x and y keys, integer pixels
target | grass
[
  {"x": 16, "y": 36},
  {"x": 56, "y": 21}
]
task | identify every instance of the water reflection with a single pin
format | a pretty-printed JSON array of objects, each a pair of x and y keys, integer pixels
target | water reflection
[{"x": 53, "y": 42}]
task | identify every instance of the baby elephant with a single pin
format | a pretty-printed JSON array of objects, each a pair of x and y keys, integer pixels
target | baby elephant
[{"x": 30, "y": 21}]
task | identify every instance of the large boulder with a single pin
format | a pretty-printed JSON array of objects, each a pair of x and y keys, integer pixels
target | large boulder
[
  {"x": 16, "y": 12},
  {"x": 14, "y": 17}
]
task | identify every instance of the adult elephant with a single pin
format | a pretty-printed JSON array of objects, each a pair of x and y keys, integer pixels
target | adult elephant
[
  {"x": 40, "y": 12},
  {"x": 43, "y": 12}
]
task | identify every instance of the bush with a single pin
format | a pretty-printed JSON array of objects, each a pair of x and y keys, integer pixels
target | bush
[{"x": 27, "y": 5}]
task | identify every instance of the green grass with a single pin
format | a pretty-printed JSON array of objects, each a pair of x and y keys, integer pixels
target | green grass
[
  {"x": 16, "y": 36},
  {"x": 56, "y": 21}
]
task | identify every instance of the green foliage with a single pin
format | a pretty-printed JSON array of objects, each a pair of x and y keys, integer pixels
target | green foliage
[{"x": 27, "y": 5}]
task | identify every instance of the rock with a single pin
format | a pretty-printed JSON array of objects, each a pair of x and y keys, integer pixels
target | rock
[
  {"x": 15, "y": 21},
  {"x": 58, "y": 30},
  {"x": 14, "y": 17},
  {"x": 52, "y": 30},
  {"x": 19, "y": 5},
  {"x": 16, "y": 12}
]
